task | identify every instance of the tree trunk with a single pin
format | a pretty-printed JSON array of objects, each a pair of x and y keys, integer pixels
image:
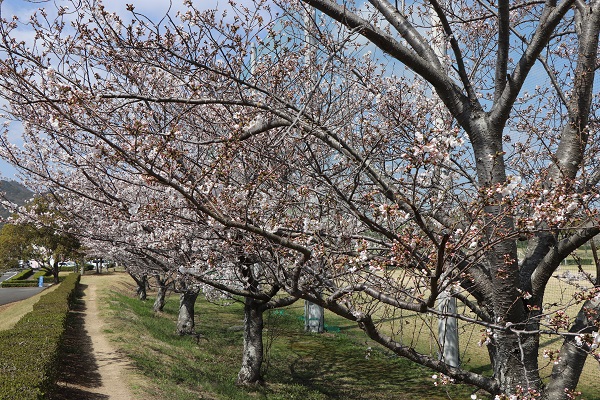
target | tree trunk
[
  {"x": 185, "y": 320},
  {"x": 596, "y": 261},
  {"x": 141, "y": 287},
  {"x": 55, "y": 271},
  {"x": 515, "y": 361},
  {"x": 159, "y": 303},
  {"x": 567, "y": 371},
  {"x": 250, "y": 373}
]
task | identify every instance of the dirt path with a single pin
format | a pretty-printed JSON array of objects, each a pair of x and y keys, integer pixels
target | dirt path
[{"x": 91, "y": 368}]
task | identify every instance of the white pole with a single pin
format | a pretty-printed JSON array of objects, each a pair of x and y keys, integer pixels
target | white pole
[
  {"x": 447, "y": 326},
  {"x": 448, "y": 330},
  {"x": 314, "y": 315}
]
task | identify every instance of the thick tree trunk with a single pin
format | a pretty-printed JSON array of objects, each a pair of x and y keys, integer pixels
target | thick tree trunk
[
  {"x": 252, "y": 357},
  {"x": 515, "y": 362},
  {"x": 185, "y": 320},
  {"x": 567, "y": 371},
  {"x": 159, "y": 303},
  {"x": 596, "y": 261},
  {"x": 141, "y": 287}
]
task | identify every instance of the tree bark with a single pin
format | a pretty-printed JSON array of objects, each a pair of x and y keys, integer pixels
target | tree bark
[
  {"x": 141, "y": 283},
  {"x": 185, "y": 320},
  {"x": 159, "y": 303},
  {"x": 567, "y": 371},
  {"x": 141, "y": 289},
  {"x": 565, "y": 374},
  {"x": 596, "y": 261},
  {"x": 55, "y": 271},
  {"x": 252, "y": 357},
  {"x": 515, "y": 361}
]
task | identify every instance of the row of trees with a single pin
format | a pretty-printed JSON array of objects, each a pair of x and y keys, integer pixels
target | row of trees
[
  {"x": 367, "y": 182},
  {"x": 37, "y": 239}
]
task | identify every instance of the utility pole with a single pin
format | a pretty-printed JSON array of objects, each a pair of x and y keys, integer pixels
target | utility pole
[
  {"x": 447, "y": 326},
  {"x": 314, "y": 314}
]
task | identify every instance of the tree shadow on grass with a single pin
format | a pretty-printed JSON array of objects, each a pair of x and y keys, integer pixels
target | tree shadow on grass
[
  {"x": 78, "y": 370},
  {"x": 334, "y": 367}
]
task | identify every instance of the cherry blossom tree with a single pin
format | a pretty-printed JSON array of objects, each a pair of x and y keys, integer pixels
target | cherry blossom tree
[
  {"x": 364, "y": 182},
  {"x": 152, "y": 232}
]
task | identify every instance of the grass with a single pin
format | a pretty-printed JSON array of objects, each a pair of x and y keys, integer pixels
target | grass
[
  {"x": 298, "y": 366},
  {"x": 343, "y": 365},
  {"x": 329, "y": 366},
  {"x": 420, "y": 331}
]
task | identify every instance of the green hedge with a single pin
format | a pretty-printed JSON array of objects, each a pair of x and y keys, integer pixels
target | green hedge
[
  {"x": 26, "y": 273},
  {"x": 20, "y": 283},
  {"x": 19, "y": 280},
  {"x": 42, "y": 272},
  {"x": 29, "y": 282},
  {"x": 29, "y": 351},
  {"x": 24, "y": 279}
]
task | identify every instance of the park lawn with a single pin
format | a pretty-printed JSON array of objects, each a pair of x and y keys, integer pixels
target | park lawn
[
  {"x": 339, "y": 365},
  {"x": 333, "y": 365},
  {"x": 420, "y": 331}
]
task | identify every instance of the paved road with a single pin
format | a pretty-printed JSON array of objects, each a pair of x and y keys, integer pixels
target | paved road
[
  {"x": 7, "y": 275},
  {"x": 9, "y": 295}
]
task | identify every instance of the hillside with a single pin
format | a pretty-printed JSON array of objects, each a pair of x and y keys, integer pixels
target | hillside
[{"x": 15, "y": 192}]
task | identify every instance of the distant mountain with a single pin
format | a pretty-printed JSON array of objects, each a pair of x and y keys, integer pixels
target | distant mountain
[{"x": 16, "y": 193}]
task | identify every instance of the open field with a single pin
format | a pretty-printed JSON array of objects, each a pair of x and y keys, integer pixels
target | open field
[{"x": 343, "y": 353}]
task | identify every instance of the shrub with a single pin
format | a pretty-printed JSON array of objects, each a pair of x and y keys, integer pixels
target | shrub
[
  {"x": 21, "y": 283},
  {"x": 19, "y": 280},
  {"x": 42, "y": 272},
  {"x": 29, "y": 351},
  {"x": 29, "y": 283},
  {"x": 26, "y": 273}
]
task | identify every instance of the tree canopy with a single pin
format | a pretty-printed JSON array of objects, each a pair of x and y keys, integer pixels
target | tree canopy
[{"x": 265, "y": 149}]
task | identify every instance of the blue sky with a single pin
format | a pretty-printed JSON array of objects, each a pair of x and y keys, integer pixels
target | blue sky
[
  {"x": 151, "y": 8},
  {"x": 154, "y": 9}
]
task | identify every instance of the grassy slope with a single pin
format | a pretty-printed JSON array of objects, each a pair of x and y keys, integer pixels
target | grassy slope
[{"x": 299, "y": 366}]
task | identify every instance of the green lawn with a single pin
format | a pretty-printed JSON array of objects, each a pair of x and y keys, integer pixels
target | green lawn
[{"x": 341, "y": 365}]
